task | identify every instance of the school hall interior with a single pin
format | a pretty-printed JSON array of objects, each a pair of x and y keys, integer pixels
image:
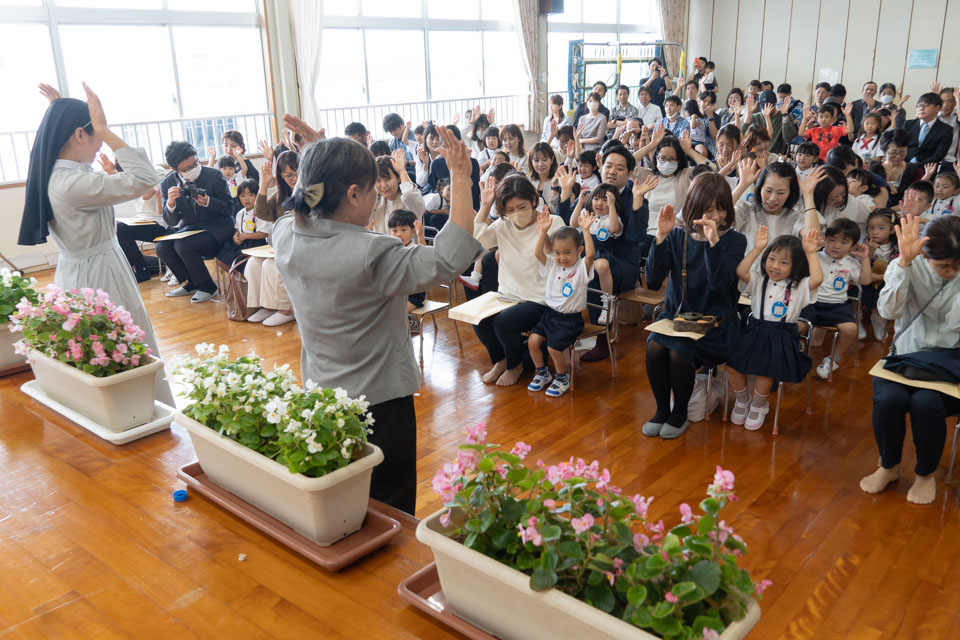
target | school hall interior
[{"x": 92, "y": 542}]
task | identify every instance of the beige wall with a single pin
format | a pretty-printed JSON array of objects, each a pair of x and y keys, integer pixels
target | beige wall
[{"x": 793, "y": 40}]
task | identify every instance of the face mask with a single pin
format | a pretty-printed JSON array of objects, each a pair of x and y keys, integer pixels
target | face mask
[
  {"x": 191, "y": 175},
  {"x": 886, "y": 98},
  {"x": 667, "y": 168},
  {"x": 523, "y": 219}
]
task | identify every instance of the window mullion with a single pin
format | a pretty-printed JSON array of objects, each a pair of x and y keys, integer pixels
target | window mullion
[
  {"x": 176, "y": 70},
  {"x": 54, "y": 26}
]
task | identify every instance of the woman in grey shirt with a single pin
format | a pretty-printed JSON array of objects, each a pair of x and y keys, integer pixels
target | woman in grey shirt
[{"x": 349, "y": 288}]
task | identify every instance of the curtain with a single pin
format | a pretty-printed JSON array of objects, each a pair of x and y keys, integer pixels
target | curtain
[
  {"x": 525, "y": 12},
  {"x": 673, "y": 14},
  {"x": 307, "y": 18}
]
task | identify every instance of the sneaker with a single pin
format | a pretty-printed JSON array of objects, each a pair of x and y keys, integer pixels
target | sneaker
[
  {"x": 740, "y": 410},
  {"x": 669, "y": 432},
  {"x": 824, "y": 370},
  {"x": 559, "y": 386},
  {"x": 278, "y": 319},
  {"x": 179, "y": 292},
  {"x": 202, "y": 296},
  {"x": 471, "y": 282},
  {"x": 603, "y": 317},
  {"x": 260, "y": 315},
  {"x": 172, "y": 281},
  {"x": 879, "y": 324},
  {"x": 166, "y": 276},
  {"x": 540, "y": 382},
  {"x": 756, "y": 416},
  {"x": 861, "y": 333},
  {"x": 652, "y": 429}
]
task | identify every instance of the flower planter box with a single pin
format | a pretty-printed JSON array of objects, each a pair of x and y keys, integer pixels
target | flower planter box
[
  {"x": 118, "y": 402},
  {"x": 324, "y": 509},
  {"x": 499, "y": 600}
]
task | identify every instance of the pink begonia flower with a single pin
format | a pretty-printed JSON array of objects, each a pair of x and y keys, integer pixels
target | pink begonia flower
[
  {"x": 521, "y": 449},
  {"x": 532, "y": 521},
  {"x": 686, "y": 514},
  {"x": 554, "y": 476},
  {"x": 641, "y": 504},
  {"x": 710, "y": 634},
  {"x": 69, "y": 324},
  {"x": 610, "y": 577},
  {"x": 617, "y": 564},
  {"x": 762, "y": 586},
  {"x": 723, "y": 479},
  {"x": 477, "y": 434},
  {"x": 445, "y": 518},
  {"x": 603, "y": 480},
  {"x": 467, "y": 460},
  {"x": 582, "y": 524},
  {"x": 656, "y": 529},
  {"x": 549, "y": 503},
  {"x": 135, "y": 360},
  {"x": 530, "y": 534},
  {"x": 669, "y": 597},
  {"x": 640, "y": 541}
]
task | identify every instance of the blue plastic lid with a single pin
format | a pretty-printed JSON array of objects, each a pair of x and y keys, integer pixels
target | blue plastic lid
[{"x": 180, "y": 496}]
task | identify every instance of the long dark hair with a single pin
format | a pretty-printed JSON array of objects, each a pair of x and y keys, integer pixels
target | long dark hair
[
  {"x": 546, "y": 150},
  {"x": 286, "y": 160},
  {"x": 480, "y": 126},
  {"x": 705, "y": 190},
  {"x": 514, "y": 131},
  {"x": 336, "y": 163},
  {"x": 782, "y": 170},
  {"x": 799, "y": 269},
  {"x": 944, "y": 242},
  {"x": 821, "y": 193}
]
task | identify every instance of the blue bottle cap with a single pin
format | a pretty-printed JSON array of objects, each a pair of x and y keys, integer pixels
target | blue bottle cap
[{"x": 180, "y": 496}]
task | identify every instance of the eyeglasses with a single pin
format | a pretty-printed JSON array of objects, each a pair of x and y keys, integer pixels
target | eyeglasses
[
  {"x": 289, "y": 176},
  {"x": 666, "y": 159},
  {"x": 192, "y": 165}
]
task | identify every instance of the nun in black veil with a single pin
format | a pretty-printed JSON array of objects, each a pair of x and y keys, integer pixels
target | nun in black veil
[{"x": 68, "y": 200}]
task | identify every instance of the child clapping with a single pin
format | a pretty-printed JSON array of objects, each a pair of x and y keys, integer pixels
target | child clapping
[{"x": 568, "y": 277}]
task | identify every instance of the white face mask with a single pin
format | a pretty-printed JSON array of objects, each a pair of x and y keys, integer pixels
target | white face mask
[
  {"x": 191, "y": 175},
  {"x": 667, "y": 168},
  {"x": 886, "y": 98}
]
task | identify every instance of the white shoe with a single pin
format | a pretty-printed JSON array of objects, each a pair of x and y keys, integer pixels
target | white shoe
[
  {"x": 755, "y": 418},
  {"x": 166, "y": 276},
  {"x": 824, "y": 370},
  {"x": 260, "y": 315},
  {"x": 179, "y": 292},
  {"x": 740, "y": 410},
  {"x": 879, "y": 324},
  {"x": 861, "y": 332},
  {"x": 172, "y": 281},
  {"x": 278, "y": 319},
  {"x": 202, "y": 296}
]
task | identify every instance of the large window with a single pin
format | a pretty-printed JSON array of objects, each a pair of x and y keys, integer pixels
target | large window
[
  {"x": 163, "y": 68},
  {"x": 600, "y": 24}
]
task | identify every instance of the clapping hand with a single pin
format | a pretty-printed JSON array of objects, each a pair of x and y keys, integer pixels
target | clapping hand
[
  {"x": 760, "y": 237},
  {"x": 908, "y": 239},
  {"x": 666, "y": 221},
  {"x": 640, "y": 189},
  {"x": 49, "y": 92},
  {"x": 544, "y": 222},
  {"x": 586, "y": 220},
  {"x": 811, "y": 241},
  {"x": 109, "y": 167},
  {"x": 708, "y": 227}
]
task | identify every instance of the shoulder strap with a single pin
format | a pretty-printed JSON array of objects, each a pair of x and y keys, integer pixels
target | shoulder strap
[
  {"x": 893, "y": 343},
  {"x": 683, "y": 274}
]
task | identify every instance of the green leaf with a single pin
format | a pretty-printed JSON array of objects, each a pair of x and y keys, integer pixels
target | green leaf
[
  {"x": 570, "y": 549},
  {"x": 512, "y": 510},
  {"x": 473, "y": 524},
  {"x": 706, "y": 524},
  {"x": 470, "y": 539},
  {"x": 681, "y": 531},
  {"x": 525, "y": 560},
  {"x": 636, "y": 595},
  {"x": 485, "y": 465},
  {"x": 486, "y": 519},
  {"x": 595, "y": 577},
  {"x": 541, "y": 580},
  {"x": 548, "y": 561},
  {"x": 601, "y": 596},
  {"x": 662, "y": 610},
  {"x": 641, "y": 617},
  {"x": 656, "y": 562},
  {"x": 710, "y": 505},
  {"x": 671, "y": 544},
  {"x": 502, "y": 538},
  {"x": 550, "y": 533},
  {"x": 516, "y": 475},
  {"x": 707, "y": 622},
  {"x": 510, "y": 458},
  {"x": 681, "y": 589},
  {"x": 700, "y": 544},
  {"x": 706, "y": 575},
  {"x": 477, "y": 496},
  {"x": 666, "y": 626}
]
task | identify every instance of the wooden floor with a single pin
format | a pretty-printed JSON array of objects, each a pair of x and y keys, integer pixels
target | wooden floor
[{"x": 91, "y": 544}]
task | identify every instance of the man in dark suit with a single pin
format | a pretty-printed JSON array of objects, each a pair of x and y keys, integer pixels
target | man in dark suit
[
  {"x": 210, "y": 210},
  {"x": 929, "y": 137}
]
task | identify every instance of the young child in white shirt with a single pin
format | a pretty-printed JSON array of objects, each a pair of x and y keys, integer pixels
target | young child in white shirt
[
  {"x": 568, "y": 277},
  {"x": 249, "y": 230},
  {"x": 403, "y": 224},
  {"x": 946, "y": 200},
  {"x": 806, "y": 159},
  {"x": 587, "y": 170},
  {"x": 844, "y": 262},
  {"x": 228, "y": 169}
]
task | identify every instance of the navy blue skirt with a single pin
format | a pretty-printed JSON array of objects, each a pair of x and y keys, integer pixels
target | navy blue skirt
[
  {"x": 771, "y": 349},
  {"x": 709, "y": 351}
]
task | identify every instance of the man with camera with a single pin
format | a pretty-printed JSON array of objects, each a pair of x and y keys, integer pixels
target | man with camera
[
  {"x": 195, "y": 199},
  {"x": 658, "y": 83}
]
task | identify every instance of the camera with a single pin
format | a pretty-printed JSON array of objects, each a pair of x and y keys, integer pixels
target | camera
[{"x": 192, "y": 191}]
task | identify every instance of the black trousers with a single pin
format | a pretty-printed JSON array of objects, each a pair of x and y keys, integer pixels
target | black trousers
[
  {"x": 129, "y": 234},
  {"x": 184, "y": 258},
  {"x": 501, "y": 334},
  {"x": 395, "y": 431},
  {"x": 928, "y": 419}
]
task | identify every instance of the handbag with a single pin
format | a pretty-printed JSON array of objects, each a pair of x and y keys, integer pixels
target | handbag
[
  {"x": 690, "y": 322},
  {"x": 236, "y": 294}
]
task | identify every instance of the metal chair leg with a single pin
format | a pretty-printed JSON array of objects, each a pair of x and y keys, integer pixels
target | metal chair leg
[
  {"x": 573, "y": 365},
  {"x": 953, "y": 451},
  {"x": 706, "y": 406},
  {"x": 776, "y": 411},
  {"x": 833, "y": 354},
  {"x": 726, "y": 394}
]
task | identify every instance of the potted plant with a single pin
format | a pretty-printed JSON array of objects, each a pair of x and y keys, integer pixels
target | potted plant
[
  {"x": 298, "y": 454},
  {"x": 87, "y": 354},
  {"x": 13, "y": 288},
  {"x": 558, "y": 552}
]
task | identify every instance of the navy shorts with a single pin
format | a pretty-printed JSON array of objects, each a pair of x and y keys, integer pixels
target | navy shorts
[
  {"x": 417, "y": 299},
  {"x": 560, "y": 329},
  {"x": 828, "y": 314}
]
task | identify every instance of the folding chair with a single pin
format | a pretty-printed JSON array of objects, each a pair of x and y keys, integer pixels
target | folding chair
[
  {"x": 953, "y": 451},
  {"x": 856, "y": 299},
  {"x": 593, "y": 330}
]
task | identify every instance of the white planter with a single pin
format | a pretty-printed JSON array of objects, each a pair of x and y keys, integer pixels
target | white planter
[
  {"x": 7, "y": 355},
  {"x": 118, "y": 402},
  {"x": 323, "y": 509},
  {"x": 499, "y": 599}
]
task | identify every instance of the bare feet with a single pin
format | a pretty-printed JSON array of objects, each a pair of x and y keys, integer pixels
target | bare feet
[
  {"x": 879, "y": 479},
  {"x": 510, "y": 376},
  {"x": 923, "y": 491},
  {"x": 492, "y": 375}
]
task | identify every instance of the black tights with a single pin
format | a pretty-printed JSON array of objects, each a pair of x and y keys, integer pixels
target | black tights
[{"x": 668, "y": 372}]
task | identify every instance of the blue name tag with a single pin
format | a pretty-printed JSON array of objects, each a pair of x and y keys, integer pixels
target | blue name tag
[
  {"x": 603, "y": 234},
  {"x": 839, "y": 283},
  {"x": 779, "y": 309},
  {"x": 566, "y": 290}
]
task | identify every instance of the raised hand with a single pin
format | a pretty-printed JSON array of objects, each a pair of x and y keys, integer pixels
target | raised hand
[
  {"x": 751, "y": 104},
  {"x": 266, "y": 150},
  {"x": 785, "y": 106},
  {"x": 611, "y": 202},
  {"x": 398, "y": 160},
  {"x": 456, "y": 119},
  {"x": 685, "y": 139},
  {"x": 811, "y": 241},
  {"x": 490, "y": 114},
  {"x": 211, "y": 152},
  {"x": 902, "y": 101},
  {"x": 815, "y": 177},
  {"x": 97, "y": 118},
  {"x": 578, "y": 131},
  {"x": 567, "y": 178},
  {"x": 456, "y": 153},
  {"x": 666, "y": 221},
  {"x": 49, "y": 92},
  {"x": 935, "y": 87},
  {"x": 930, "y": 168},
  {"x": 909, "y": 240},
  {"x": 423, "y": 155},
  {"x": 768, "y": 111},
  {"x": 488, "y": 193},
  {"x": 553, "y": 128},
  {"x": 543, "y": 221},
  {"x": 860, "y": 251},
  {"x": 708, "y": 227},
  {"x": 760, "y": 237},
  {"x": 848, "y": 109},
  {"x": 807, "y": 114},
  {"x": 297, "y": 126},
  {"x": 109, "y": 167},
  {"x": 586, "y": 220},
  {"x": 748, "y": 170},
  {"x": 641, "y": 189},
  {"x": 267, "y": 179},
  {"x": 659, "y": 132}
]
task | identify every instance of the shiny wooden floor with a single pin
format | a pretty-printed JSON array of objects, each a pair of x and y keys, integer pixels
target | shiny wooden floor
[{"x": 92, "y": 546}]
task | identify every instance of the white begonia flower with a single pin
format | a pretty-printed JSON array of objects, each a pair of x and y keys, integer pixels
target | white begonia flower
[
  {"x": 340, "y": 394},
  {"x": 310, "y": 385},
  {"x": 341, "y": 423}
]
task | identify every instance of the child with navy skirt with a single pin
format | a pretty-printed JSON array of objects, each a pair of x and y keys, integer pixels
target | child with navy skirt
[
  {"x": 769, "y": 349},
  {"x": 704, "y": 254}
]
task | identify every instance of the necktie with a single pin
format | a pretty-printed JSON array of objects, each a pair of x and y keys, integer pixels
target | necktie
[{"x": 923, "y": 132}]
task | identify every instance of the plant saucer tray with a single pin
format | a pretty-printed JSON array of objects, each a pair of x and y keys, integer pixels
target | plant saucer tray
[
  {"x": 377, "y": 530},
  {"x": 423, "y": 591},
  {"x": 163, "y": 415}
]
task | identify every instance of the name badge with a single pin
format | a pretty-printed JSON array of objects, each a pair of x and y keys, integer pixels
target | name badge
[
  {"x": 839, "y": 283},
  {"x": 778, "y": 310},
  {"x": 233, "y": 190},
  {"x": 603, "y": 234},
  {"x": 566, "y": 290},
  {"x": 250, "y": 225}
]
